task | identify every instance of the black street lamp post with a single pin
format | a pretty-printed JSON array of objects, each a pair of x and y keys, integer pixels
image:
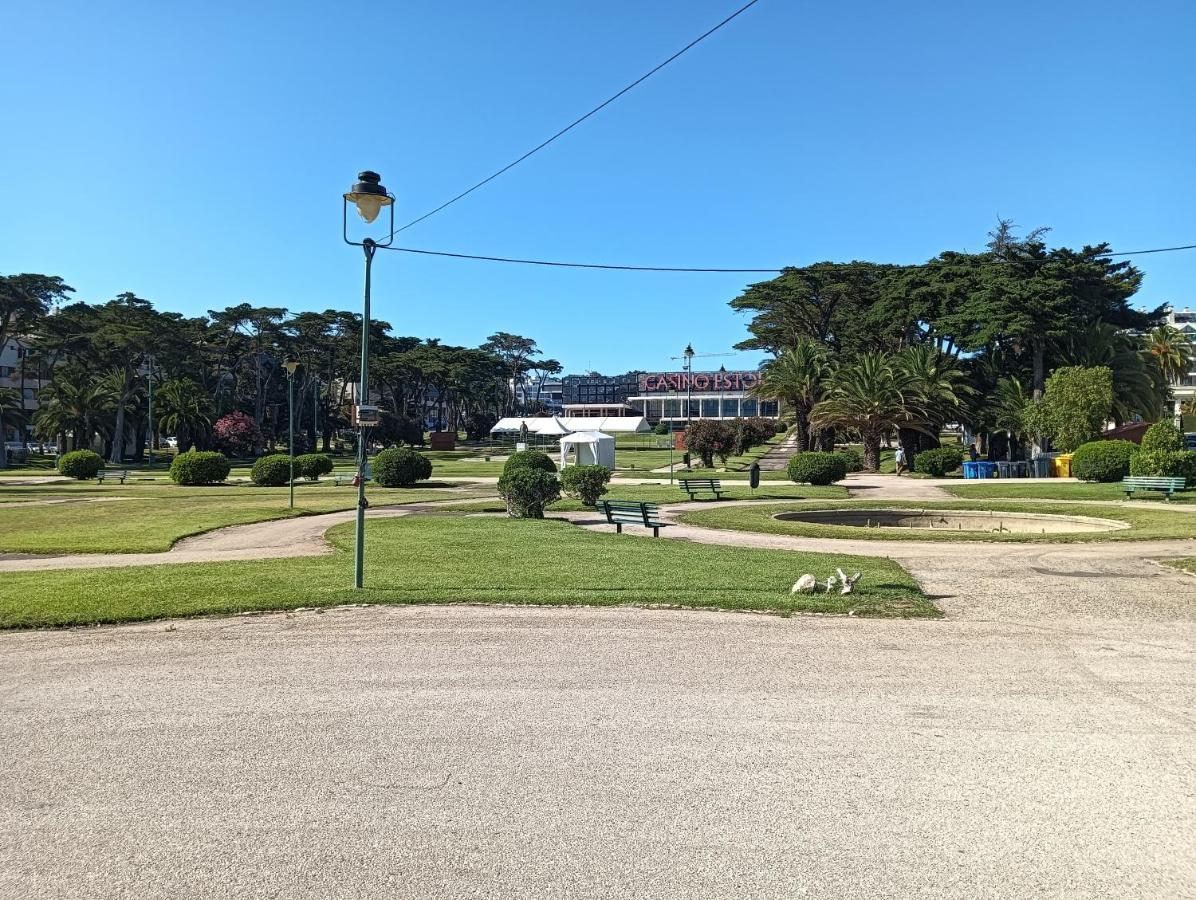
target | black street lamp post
[
  {"x": 689, "y": 384},
  {"x": 369, "y": 196},
  {"x": 291, "y": 365}
]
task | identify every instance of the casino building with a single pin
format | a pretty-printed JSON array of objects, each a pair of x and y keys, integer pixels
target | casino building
[{"x": 669, "y": 397}]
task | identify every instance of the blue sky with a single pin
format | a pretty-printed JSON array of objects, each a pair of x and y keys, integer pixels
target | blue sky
[{"x": 196, "y": 154}]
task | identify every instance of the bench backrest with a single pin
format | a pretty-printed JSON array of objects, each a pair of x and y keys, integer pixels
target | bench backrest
[
  {"x": 1154, "y": 481},
  {"x": 629, "y": 511},
  {"x": 701, "y": 482},
  {"x": 114, "y": 473}
]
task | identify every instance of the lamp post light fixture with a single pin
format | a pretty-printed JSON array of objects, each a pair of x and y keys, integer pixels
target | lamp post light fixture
[
  {"x": 369, "y": 196},
  {"x": 291, "y": 365}
]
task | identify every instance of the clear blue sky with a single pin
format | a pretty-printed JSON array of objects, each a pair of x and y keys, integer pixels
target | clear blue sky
[{"x": 195, "y": 154}]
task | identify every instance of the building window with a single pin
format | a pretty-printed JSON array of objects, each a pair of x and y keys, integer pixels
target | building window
[
  {"x": 672, "y": 409},
  {"x": 709, "y": 408},
  {"x": 730, "y": 407},
  {"x": 768, "y": 408}
]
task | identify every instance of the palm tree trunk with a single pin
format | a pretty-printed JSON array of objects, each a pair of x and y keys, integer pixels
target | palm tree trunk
[{"x": 871, "y": 450}]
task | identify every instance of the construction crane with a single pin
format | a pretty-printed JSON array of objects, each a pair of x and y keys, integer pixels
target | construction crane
[{"x": 688, "y": 356}]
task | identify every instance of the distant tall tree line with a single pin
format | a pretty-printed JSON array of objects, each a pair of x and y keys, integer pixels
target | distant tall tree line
[
  {"x": 97, "y": 361},
  {"x": 869, "y": 350}
]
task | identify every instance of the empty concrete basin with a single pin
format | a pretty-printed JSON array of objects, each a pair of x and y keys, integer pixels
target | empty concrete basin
[{"x": 954, "y": 520}]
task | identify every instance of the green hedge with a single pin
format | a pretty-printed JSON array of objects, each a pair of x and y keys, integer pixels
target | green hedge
[
  {"x": 527, "y": 491},
  {"x": 1103, "y": 461},
  {"x": 938, "y": 461},
  {"x": 529, "y": 459},
  {"x": 1163, "y": 436},
  {"x": 81, "y": 464},
  {"x": 312, "y": 465},
  {"x": 816, "y": 467},
  {"x": 851, "y": 459},
  {"x": 1165, "y": 464},
  {"x": 272, "y": 471},
  {"x": 585, "y": 483},
  {"x": 199, "y": 467},
  {"x": 401, "y": 467}
]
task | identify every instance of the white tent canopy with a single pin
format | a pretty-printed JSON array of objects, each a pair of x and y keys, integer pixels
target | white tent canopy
[
  {"x": 592, "y": 448},
  {"x": 556, "y": 425}
]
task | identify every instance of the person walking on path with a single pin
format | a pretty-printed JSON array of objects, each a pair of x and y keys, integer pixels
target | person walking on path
[{"x": 899, "y": 458}]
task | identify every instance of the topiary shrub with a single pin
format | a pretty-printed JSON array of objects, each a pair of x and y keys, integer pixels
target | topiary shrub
[
  {"x": 1163, "y": 436},
  {"x": 529, "y": 459},
  {"x": 585, "y": 483},
  {"x": 1103, "y": 460},
  {"x": 661, "y": 428},
  {"x": 401, "y": 467},
  {"x": 81, "y": 464},
  {"x": 1164, "y": 464},
  {"x": 272, "y": 471},
  {"x": 851, "y": 459},
  {"x": 313, "y": 465},
  {"x": 199, "y": 467},
  {"x": 527, "y": 491},
  {"x": 938, "y": 461},
  {"x": 816, "y": 467},
  {"x": 781, "y": 427}
]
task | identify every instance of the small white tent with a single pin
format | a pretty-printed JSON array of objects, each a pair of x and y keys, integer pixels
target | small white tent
[{"x": 591, "y": 448}]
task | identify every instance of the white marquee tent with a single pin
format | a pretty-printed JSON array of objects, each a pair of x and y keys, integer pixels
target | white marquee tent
[
  {"x": 590, "y": 448},
  {"x": 556, "y": 425}
]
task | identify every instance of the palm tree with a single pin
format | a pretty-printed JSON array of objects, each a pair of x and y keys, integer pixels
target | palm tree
[
  {"x": 73, "y": 403},
  {"x": 1172, "y": 350},
  {"x": 1011, "y": 411},
  {"x": 872, "y": 395},
  {"x": 187, "y": 410},
  {"x": 796, "y": 378},
  {"x": 12, "y": 412},
  {"x": 1140, "y": 386},
  {"x": 941, "y": 388}
]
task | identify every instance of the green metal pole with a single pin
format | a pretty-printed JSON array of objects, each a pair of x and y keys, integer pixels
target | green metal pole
[
  {"x": 291, "y": 431},
  {"x": 151, "y": 412},
  {"x": 363, "y": 398}
]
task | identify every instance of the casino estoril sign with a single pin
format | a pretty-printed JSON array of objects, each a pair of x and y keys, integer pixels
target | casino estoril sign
[{"x": 663, "y": 382}]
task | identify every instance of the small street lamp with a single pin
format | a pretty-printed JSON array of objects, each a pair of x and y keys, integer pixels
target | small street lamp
[
  {"x": 369, "y": 196},
  {"x": 291, "y": 365},
  {"x": 689, "y": 384}
]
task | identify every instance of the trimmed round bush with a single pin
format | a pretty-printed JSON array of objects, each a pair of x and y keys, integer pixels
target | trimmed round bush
[
  {"x": 401, "y": 467},
  {"x": 199, "y": 467},
  {"x": 1103, "y": 461},
  {"x": 312, "y": 465},
  {"x": 851, "y": 459},
  {"x": 1164, "y": 464},
  {"x": 816, "y": 467},
  {"x": 661, "y": 428},
  {"x": 272, "y": 471},
  {"x": 527, "y": 491},
  {"x": 529, "y": 459},
  {"x": 1163, "y": 436},
  {"x": 780, "y": 428},
  {"x": 81, "y": 464},
  {"x": 585, "y": 483},
  {"x": 938, "y": 461}
]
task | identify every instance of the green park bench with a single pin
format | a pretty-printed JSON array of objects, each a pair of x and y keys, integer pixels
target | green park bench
[
  {"x": 1167, "y": 485},
  {"x": 692, "y": 486},
  {"x": 120, "y": 474},
  {"x": 632, "y": 512}
]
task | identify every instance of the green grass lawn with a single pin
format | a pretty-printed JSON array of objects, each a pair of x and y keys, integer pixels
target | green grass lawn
[
  {"x": 457, "y": 559},
  {"x": 1015, "y": 489},
  {"x": 1146, "y": 524},
  {"x": 1187, "y": 565},
  {"x": 663, "y": 493},
  {"x": 147, "y": 518}
]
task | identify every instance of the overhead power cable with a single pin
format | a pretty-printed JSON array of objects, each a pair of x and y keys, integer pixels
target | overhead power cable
[
  {"x": 578, "y": 121},
  {"x": 708, "y": 269}
]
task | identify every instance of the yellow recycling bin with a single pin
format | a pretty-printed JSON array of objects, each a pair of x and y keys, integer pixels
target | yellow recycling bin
[{"x": 1061, "y": 465}]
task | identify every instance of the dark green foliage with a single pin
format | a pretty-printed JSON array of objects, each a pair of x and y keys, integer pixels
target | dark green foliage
[
  {"x": 478, "y": 425},
  {"x": 851, "y": 459},
  {"x": 272, "y": 471},
  {"x": 781, "y": 427},
  {"x": 661, "y": 428},
  {"x": 1163, "y": 436},
  {"x": 585, "y": 483},
  {"x": 312, "y": 465},
  {"x": 815, "y": 467},
  {"x": 401, "y": 467},
  {"x": 527, "y": 491},
  {"x": 1103, "y": 460},
  {"x": 938, "y": 461},
  {"x": 399, "y": 430},
  {"x": 529, "y": 459},
  {"x": 1164, "y": 464},
  {"x": 709, "y": 438},
  {"x": 81, "y": 464},
  {"x": 199, "y": 467}
]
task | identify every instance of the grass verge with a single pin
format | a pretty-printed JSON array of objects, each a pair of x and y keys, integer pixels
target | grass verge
[
  {"x": 452, "y": 559},
  {"x": 1010, "y": 488},
  {"x": 1145, "y": 524}
]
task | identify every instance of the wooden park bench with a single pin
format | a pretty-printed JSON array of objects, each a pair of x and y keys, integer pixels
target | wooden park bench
[
  {"x": 632, "y": 512},
  {"x": 1167, "y": 485},
  {"x": 692, "y": 486},
  {"x": 339, "y": 480},
  {"x": 121, "y": 474}
]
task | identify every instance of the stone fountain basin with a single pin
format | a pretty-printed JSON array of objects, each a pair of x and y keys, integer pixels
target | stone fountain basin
[{"x": 948, "y": 520}]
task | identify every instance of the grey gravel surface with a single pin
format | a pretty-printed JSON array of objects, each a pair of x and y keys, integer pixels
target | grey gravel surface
[{"x": 498, "y": 752}]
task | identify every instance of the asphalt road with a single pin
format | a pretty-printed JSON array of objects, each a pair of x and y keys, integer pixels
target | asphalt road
[{"x": 496, "y": 752}]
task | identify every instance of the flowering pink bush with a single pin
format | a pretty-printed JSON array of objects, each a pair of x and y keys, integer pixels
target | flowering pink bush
[{"x": 236, "y": 434}]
